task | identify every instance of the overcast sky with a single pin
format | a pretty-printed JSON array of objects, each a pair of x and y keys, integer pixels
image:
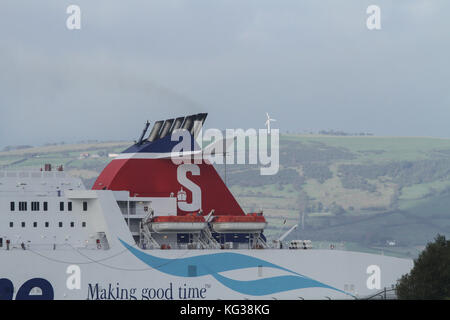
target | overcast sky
[{"x": 311, "y": 64}]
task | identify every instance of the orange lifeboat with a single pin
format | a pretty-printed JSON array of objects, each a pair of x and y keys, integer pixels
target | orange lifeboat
[
  {"x": 168, "y": 224},
  {"x": 250, "y": 223}
]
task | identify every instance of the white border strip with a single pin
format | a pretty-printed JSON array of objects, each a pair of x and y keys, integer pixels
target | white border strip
[{"x": 155, "y": 155}]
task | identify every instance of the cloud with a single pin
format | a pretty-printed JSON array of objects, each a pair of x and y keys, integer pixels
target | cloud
[{"x": 311, "y": 64}]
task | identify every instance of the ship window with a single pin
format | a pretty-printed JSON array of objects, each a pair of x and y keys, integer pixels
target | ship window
[
  {"x": 11, "y": 224},
  {"x": 83, "y": 224},
  {"x": 46, "y": 224},
  {"x": 61, "y": 206},
  {"x": 69, "y": 206},
  {"x": 45, "y": 206},
  {"x": 34, "y": 224},
  {"x": 22, "y": 206},
  {"x": 72, "y": 224},
  {"x": 60, "y": 224},
  {"x": 85, "y": 206},
  {"x": 13, "y": 206},
  {"x": 35, "y": 206},
  {"x": 23, "y": 224}
]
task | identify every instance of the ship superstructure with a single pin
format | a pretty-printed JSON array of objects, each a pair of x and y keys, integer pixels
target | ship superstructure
[
  {"x": 151, "y": 228},
  {"x": 200, "y": 211}
]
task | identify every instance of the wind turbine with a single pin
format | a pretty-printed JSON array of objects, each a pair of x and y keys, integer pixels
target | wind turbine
[{"x": 268, "y": 122}]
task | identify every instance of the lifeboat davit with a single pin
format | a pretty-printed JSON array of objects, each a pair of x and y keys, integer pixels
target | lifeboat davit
[
  {"x": 250, "y": 223},
  {"x": 171, "y": 224}
]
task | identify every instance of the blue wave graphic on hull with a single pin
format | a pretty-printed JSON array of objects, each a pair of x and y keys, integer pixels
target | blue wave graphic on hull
[
  {"x": 271, "y": 285},
  {"x": 212, "y": 264}
]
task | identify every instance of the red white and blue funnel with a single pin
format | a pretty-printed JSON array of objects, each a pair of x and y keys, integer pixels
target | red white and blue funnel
[{"x": 146, "y": 169}]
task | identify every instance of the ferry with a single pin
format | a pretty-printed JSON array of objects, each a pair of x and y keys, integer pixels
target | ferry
[{"x": 153, "y": 229}]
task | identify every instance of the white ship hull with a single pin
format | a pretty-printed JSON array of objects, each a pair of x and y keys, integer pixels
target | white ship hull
[{"x": 120, "y": 274}]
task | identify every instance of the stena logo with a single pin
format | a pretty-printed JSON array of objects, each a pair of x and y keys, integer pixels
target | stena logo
[
  {"x": 196, "y": 202},
  {"x": 25, "y": 291}
]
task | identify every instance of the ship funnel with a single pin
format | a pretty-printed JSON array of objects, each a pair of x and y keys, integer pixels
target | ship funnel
[
  {"x": 198, "y": 124},
  {"x": 189, "y": 123},
  {"x": 177, "y": 125},
  {"x": 166, "y": 128},
  {"x": 154, "y": 134},
  {"x": 148, "y": 170}
]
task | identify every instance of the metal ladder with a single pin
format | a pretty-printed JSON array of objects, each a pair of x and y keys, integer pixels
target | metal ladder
[
  {"x": 208, "y": 238},
  {"x": 147, "y": 234},
  {"x": 258, "y": 240}
]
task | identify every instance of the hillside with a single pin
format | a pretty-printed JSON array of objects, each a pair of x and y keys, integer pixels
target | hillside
[{"x": 356, "y": 192}]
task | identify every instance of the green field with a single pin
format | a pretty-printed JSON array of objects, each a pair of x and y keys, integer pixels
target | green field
[{"x": 360, "y": 192}]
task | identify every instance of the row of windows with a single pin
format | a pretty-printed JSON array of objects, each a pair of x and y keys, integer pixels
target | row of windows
[
  {"x": 47, "y": 224},
  {"x": 35, "y": 206}
]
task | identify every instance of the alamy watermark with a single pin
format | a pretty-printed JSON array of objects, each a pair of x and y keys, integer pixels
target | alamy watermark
[
  {"x": 73, "y": 21},
  {"x": 373, "y": 21},
  {"x": 374, "y": 279},
  {"x": 234, "y": 146}
]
